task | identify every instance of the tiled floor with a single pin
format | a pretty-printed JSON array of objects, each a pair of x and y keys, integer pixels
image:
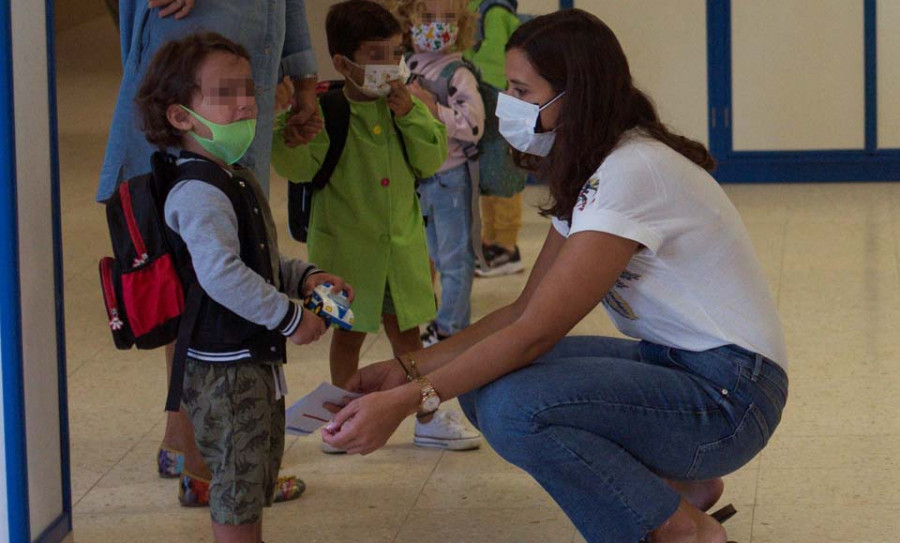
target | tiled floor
[{"x": 831, "y": 473}]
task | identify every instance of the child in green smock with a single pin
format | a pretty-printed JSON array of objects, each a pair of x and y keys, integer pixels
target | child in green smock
[{"x": 366, "y": 224}]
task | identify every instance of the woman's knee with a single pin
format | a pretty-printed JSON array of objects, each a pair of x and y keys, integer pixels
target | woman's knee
[{"x": 504, "y": 417}]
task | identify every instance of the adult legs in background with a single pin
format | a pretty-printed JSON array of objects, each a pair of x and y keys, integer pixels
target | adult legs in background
[{"x": 599, "y": 422}]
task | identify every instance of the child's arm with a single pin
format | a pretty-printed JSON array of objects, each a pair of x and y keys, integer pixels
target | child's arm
[
  {"x": 424, "y": 137},
  {"x": 300, "y": 163},
  {"x": 464, "y": 118},
  {"x": 204, "y": 218}
]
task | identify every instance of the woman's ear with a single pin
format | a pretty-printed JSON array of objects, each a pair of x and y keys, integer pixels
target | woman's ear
[{"x": 179, "y": 118}]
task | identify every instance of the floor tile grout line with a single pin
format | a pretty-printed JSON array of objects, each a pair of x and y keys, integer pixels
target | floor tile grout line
[
  {"x": 117, "y": 462},
  {"x": 419, "y": 495}
]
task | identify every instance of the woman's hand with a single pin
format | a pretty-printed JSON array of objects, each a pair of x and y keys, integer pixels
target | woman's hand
[
  {"x": 337, "y": 284},
  {"x": 366, "y": 423},
  {"x": 299, "y": 132},
  {"x": 180, "y": 8},
  {"x": 284, "y": 95},
  {"x": 378, "y": 377}
]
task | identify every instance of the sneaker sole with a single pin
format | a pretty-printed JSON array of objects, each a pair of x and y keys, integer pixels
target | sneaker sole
[
  {"x": 461, "y": 444},
  {"x": 509, "y": 268}
]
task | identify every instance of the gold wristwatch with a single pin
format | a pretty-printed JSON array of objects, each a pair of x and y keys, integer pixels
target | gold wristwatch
[{"x": 430, "y": 400}]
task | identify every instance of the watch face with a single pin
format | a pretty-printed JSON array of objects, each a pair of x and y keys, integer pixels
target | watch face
[{"x": 430, "y": 404}]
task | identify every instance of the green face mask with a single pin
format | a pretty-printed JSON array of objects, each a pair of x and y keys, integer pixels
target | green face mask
[{"x": 229, "y": 141}]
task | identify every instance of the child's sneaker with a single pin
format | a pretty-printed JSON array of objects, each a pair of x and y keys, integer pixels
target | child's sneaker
[
  {"x": 446, "y": 430},
  {"x": 193, "y": 491},
  {"x": 328, "y": 449},
  {"x": 501, "y": 262},
  {"x": 170, "y": 462},
  {"x": 431, "y": 335},
  {"x": 287, "y": 488}
]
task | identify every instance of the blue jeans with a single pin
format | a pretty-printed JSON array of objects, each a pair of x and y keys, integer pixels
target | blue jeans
[
  {"x": 598, "y": 422},
  {"x": 446, "y": 203}
]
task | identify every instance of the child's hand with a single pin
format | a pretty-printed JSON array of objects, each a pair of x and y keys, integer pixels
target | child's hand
[
  {"x": 337, "y": 283},
  {"x": 311, "y": 328},
  {"x": 284, "y": 94},
  {"x": 297, "y": 132},
  {"x": 428, "y": 98},
  {"x": 399, "y": 100}
]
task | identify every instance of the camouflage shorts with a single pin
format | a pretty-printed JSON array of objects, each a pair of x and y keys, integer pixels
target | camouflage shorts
[{"x": 239, "y": 429}]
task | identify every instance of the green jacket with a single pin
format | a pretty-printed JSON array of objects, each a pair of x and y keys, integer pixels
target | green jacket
[
  {"x": 366, "y": 224},
  {"x": 499, "y": 25}
]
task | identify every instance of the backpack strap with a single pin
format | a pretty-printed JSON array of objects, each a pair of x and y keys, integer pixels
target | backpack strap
[
  {"x": 510, "y": 5},
  {"x": 192, "y": 303},
  {"x": 336, "y": 109}
]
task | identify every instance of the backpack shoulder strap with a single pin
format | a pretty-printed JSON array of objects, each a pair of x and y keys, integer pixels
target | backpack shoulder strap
[
  {"x": 336, "y": 109},
  {"x": 441, "y": 86}
]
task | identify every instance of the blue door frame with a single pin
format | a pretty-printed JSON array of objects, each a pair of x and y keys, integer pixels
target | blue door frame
[
  {"x": 14, "y": 423},
  {"x": 869, "y": 164}
]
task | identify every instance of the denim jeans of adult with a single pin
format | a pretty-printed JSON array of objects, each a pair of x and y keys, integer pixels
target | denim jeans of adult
[
  {"x": 599, "y": 422},
  {"x": 446, "y": 203}
]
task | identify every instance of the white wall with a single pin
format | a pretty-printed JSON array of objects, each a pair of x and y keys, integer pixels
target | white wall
[
  {"x": 798, "y": 74},
  {"x": 888, "y": 74},
  {"x": 665, "y": 42},
  {"x": 29, "y": 41}
]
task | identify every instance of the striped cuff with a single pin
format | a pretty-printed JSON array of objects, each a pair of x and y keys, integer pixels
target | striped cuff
[
  {"x": 291, "y": 321},
  {"x": 312, "y": 270}
]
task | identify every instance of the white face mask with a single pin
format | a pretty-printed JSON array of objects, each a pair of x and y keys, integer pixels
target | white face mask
[
  {"x": 518, "y": 120},
  {"x": 378, "y": 77}
]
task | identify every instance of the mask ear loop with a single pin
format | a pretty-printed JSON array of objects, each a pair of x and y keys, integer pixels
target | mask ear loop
[{"x": 538, "y": 127}]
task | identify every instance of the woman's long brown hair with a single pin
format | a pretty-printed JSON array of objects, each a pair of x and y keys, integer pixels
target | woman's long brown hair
[{"x": 577, "y": 53}]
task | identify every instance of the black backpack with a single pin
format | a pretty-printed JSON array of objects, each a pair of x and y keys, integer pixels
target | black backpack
[
  {"x": 141, "y": 287},
  {"x": 336, "y": 109},
  {"x": 146, "y": 300}
]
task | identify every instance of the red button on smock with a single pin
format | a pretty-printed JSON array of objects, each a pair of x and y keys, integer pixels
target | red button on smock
[{"x": 385, "y": 182}]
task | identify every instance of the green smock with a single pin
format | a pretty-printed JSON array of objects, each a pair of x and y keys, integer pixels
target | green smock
[{"x": 366, "y": 224}]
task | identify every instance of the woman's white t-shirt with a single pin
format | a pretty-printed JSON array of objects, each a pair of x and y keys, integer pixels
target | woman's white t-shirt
[{"x": 696, "y": 284}]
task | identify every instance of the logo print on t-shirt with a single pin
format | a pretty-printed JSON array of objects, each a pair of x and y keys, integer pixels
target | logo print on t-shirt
[
  {"x": 615, "y": 302},
  {"x": 589, "y": 188}
]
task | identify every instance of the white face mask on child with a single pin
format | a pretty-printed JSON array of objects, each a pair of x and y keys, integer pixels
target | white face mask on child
[{"x": 377, "y": 78}]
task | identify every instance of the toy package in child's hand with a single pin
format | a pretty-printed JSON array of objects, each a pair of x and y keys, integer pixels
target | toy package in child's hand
[
  {"x": 330, "y": 307},
  {"x": 308, "y": 414}
]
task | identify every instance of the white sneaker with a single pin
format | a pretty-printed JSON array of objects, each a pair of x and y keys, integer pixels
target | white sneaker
[{"x": 446, "y": 430}]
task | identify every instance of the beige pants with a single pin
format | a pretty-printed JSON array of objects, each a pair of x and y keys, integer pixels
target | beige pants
[{"x": 501, "y": 220}]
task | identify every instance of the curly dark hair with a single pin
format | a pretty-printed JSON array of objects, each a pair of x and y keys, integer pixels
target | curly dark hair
[
  {"x": 577, "y": 53},
  {"x": 171, "y": 78}
]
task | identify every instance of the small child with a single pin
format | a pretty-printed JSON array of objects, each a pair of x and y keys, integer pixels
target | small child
[
  {"x": 366, "y": 223},
  {"x": 438, "y": 32},
  {"x": 198, "y": 96},
  {"x": 501, "y": 205}
]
